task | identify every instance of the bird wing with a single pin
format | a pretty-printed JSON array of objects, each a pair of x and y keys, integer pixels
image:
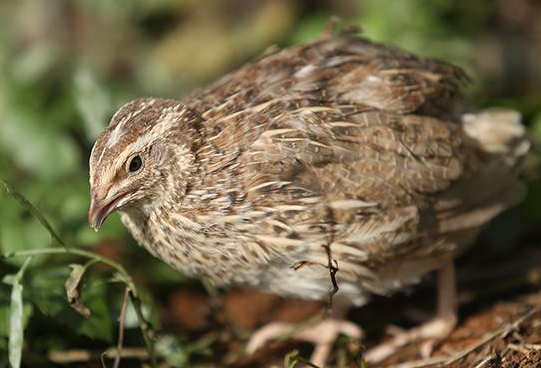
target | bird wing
[
  {"x": 340, "y": 123},
  {"x": 358, "y": 162},
  {"x": 359, "y": 117},
  {"x": 347, "y": 142},
  {"x": 327, "y": 100},
  {"x": 342, "y": 69}
]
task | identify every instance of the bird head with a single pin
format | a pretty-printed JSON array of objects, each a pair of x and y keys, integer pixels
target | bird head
[{"x": 145, "y": 154}]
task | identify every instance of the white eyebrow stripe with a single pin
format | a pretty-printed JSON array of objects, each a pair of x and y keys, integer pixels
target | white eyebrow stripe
[
  {"x": 168, "y": 118},
  {"x": 118, "y": 130},
  {"x": 101, "y": 156}
]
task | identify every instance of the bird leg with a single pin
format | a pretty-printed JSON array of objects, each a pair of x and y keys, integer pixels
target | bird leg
[
  {"x": 434, "y": 330},
  {"x": 322, "y": 335}
]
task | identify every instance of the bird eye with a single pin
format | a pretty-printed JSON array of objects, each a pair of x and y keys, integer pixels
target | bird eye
[{"x": 135, "y": 164}]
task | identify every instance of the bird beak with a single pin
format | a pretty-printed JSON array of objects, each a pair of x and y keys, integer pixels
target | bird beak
[
  {"x": 97, "y": 213},
  {"x": 100, "y": 209}
]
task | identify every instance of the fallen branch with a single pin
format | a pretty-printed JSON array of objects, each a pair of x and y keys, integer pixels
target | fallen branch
[{"x": 502, "y": 331}]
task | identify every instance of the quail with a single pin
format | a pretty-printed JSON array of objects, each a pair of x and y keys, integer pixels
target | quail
[{"x": 338, "y": 162}]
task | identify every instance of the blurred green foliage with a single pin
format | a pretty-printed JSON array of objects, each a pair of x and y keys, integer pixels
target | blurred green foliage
[{"x": 67, "y": 65}]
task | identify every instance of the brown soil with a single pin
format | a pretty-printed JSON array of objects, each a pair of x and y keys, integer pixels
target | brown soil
[
  {"x": 500, "y": 322},
  {"x": 506, "y": 334}
]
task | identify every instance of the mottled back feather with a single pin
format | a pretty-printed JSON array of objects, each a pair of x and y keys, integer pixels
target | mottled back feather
[{"x": 339, "y": 142}]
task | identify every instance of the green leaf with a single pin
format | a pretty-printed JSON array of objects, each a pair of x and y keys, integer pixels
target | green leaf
[
  {"x": 173, "y": 351},
  {"x": 16, "y": 322},
  {"x": 100, "y": 324},
  {"x": 290, "y": 359},
  {"x": 72, "y": 285},
  {"x": 4, "y": 319},
  {"x": 47, "y": 290},
  {"x": 16, "y": 326},
  {"x": 33, "y": 211},
  {"x": 5, "y": 299},
  {"x": 118, "y": 277},
  {"x": 179, "y": 353}
]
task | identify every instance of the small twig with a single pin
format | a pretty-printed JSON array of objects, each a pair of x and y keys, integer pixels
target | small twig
[
  {"x": 503, "y": 330},
  {"x": 146, "y": 329},
  {"x": 73, "y": 251},
  {"x": 298, "y": 265},
  {"x": 484, "y": 362},
  {"x": 524, "y": 348},
  {"x": 124, "y": 276},
  {"x": 25, "y": 203},
  {"x": 332, "y": 264},
  {"x": 445, "y": 361},
  {"x": 520, "y": 348},
  {"x": 121, "y": 319},
  {"x": 82, "y": 355},
  {"x": 102, "y": 359},
  {"x": 136, "y": 302},
  {"x": 333, "y": 269}
]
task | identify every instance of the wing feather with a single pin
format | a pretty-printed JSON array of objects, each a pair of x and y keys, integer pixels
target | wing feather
[{"x": 349, "y": 142}]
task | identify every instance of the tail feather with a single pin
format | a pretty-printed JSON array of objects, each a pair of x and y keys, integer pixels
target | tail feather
[
  {"x": 499, "y": 131},
  {"x": 494, "y": 185}
]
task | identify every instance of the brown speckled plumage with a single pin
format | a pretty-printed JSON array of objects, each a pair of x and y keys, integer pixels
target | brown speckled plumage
[{"x": 338, "y": 142}]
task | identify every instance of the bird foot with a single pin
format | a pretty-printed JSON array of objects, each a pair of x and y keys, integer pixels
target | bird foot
[
  {"x": 434, "y": 332},
  {"x": 322, "y": 335}
]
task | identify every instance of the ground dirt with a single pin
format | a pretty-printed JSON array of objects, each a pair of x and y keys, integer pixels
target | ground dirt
[{"x": 499, "y": 326}]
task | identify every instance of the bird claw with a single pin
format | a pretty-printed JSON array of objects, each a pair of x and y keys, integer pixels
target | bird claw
[
  {"x": 435, "y": 330},
  {"x": 271, "y": 331},
  {"x": 322, "y": 335}
]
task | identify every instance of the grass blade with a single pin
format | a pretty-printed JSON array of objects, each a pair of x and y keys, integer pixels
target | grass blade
[
  {"x": 16, "y": 328},
  {"x": 33, "y": 211}
]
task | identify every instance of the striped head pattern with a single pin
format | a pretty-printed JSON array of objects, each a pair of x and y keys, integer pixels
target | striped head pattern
[{"x": 144, "y": 153}]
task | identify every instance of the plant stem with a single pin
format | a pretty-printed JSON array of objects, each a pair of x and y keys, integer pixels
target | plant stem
[
  {"x": 145, "y": 328},
  {"x": 144, "y": 325},
  {"x": 79, "y": 252},
  {"x": 121, "y": 320}
]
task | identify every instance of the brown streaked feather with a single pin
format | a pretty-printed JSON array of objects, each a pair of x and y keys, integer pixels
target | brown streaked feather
[
  {"x": 337, "y": 142},
  {"x": 343, "y": 69}
]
